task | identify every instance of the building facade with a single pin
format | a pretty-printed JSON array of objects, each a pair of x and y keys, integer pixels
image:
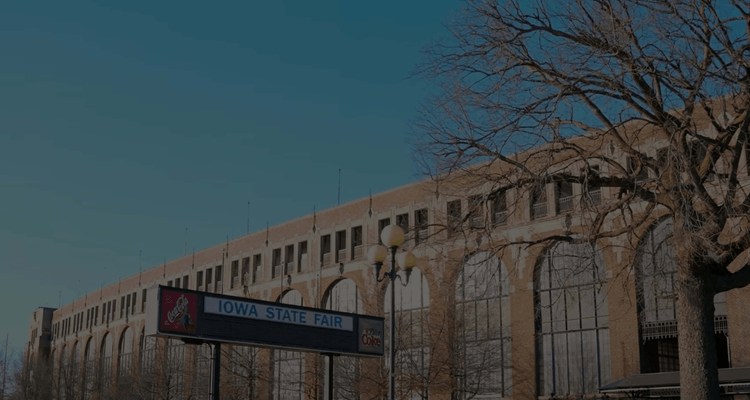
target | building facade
[{"x": 522, "y": 323}]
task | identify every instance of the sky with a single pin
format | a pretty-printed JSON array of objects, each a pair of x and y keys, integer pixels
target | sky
[{"x": 123, "y": 125}]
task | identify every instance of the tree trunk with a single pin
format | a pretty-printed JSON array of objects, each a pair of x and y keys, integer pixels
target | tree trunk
[{"x": 699, "y": 377}]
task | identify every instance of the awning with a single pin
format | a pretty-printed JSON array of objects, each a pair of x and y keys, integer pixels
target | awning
[{"x": 667, "y": 384}]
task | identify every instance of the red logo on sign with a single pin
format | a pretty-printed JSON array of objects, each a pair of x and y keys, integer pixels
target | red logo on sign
[{"x": 179, "y": 312}]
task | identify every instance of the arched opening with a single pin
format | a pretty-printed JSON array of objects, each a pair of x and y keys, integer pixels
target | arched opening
[
  {"x": 174, "y": 369},
  {"x": 343, "y": 296},
  {"x": 147, "y": 363},
  {"x": 482, "y": 317},
  {"x": 64, "y": 380},
  {"x": 75, "y": 368},
  {"x": 289, "y": 366},
  {"x": 89, "y": 369},
  {"x": 201, "y": 386},
  {"x": 242, "y": 364},
  {"x": 572, "y": 320},
  {"x": 105, "y": 363},
  {"x": 412, "y": 334},
  {"x": 124, "y": 356},
  {"x": 657, "y": 317}
]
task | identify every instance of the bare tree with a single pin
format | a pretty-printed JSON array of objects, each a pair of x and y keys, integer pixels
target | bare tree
[
  {"x": 580, "y": 93},
  {"x": 32, "y": 380}
]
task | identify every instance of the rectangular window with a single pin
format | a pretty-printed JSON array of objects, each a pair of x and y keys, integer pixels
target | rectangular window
[
  {"x": 563, "y": 196},
  {"x": 420, "y": 223},
  {"x": 235, "y": 274},
  {"x": 381, "y": 225},
  {"x": 114, "y": 309},
  {"x": 218, "y": 273},
  {"x": 661, "y": 160},
  {"x": 593, "y": 194},
  {"x": 289, "y": 259},
  {"x": 539, "y": 200},
  {"x": 476, "y": 215},
  {"x": 143, "y": 301},
  {"x": 169, "y": 283},
  {"x": 96, "y": 315},
  {"x": 88, "y": 316},
  {"x": 402, "y": 220},
  {"x": 301, "y": 256},
  {"x": 325, "y": 249},
  {"x": 340, "y": 246},
  {"x": 357, "y": 243},
  {"x": 199, "y": 280},
  {"x": 185, "y": 283},
  {"x": 135, "y": 294},
  {"x": 500, "y": 208},
  {"x": 454, "y": 216},
  {"x": 245, "y": 271},
  {"x": 256, "y": 267},
  {"x": 275, "y": 263},
  {"x": 209, "y": 276},
  {"x": 127, "y": 308}
]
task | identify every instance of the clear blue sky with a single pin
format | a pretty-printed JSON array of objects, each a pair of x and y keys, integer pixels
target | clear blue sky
[{"x": 120, "y": 126}]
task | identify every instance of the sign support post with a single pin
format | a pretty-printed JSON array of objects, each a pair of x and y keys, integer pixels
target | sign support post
[
  {"x": 330, "y": 375},
  {"x": 217, "y": 371},
  {"x": 198, "y": 317}
]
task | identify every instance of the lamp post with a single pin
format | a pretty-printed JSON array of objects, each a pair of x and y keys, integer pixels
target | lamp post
[{"x": 392, "y": 237}]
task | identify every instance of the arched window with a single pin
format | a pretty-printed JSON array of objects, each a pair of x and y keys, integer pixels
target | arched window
[
  {"x": 74, "y": 372},
  {"x": 89, "y": 369},
  {"x": 174, "y": 368},
  {"x": 64, "y": 373},
  {"x": 201, "y": 386},
  {"x": 147, "y": 356},
  {"x": 656, "y": 277},
  {"x": 243, "y": 369},
  {"x": 412, "y": 334},
  {"x": 289, "y": 366},
  {"x": 105, "y": 363},
  {"x": 124, "y": 356},
  {"x": 343, "y": 296},
  {"x": 572, "y": 320},
  {"x": 483, "y": 327}
]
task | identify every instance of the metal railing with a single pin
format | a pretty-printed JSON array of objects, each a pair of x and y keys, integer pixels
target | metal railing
[
  {"x": 358, "y": 252},
  {"x": 477, "y": 222},
  {"x": 302, "y": 262},
  {"x": 539, "y": 210},
  {"x": 326, "y": 258},
  {"x": 564, "y": 204},
  {"x": 595, "y": 196},
  {"x": 235, "y": 281},
  {"x": 289, "y": 268},
  {"x": 422, "y": 235},
  {"x": 210, "y": 287},
  {"x": 341, "y": 255},
  {"x": 500, "y": 217}
]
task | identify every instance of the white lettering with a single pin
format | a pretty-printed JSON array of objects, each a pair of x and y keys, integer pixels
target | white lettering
[{"x": 286, "y": 315}]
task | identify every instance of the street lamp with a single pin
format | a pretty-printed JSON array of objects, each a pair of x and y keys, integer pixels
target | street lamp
[{"x": 392, "y": 237}]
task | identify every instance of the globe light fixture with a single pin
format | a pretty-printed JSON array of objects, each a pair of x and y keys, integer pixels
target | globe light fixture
[{"x": 392, "y": 237}]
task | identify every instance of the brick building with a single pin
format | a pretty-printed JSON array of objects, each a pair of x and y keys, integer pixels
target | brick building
[{"x": 471, "y": 323}]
